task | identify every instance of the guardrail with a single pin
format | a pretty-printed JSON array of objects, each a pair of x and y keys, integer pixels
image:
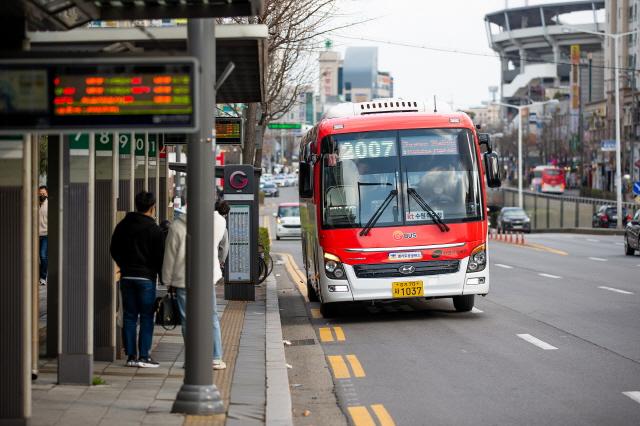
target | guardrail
[{"x": 550, "y": 211}]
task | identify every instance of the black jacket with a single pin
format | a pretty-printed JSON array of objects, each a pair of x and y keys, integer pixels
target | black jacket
[{"x": 137, "y": 246}]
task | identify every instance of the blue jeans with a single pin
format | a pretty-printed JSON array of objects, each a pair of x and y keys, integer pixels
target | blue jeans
[
  {"x": 44, "y": 256},
  {"x": 138, "y": 299},
  {"x": 181, "y": 296}
]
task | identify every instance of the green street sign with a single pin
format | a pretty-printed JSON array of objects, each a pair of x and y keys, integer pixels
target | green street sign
[{"x": 285, "y": 126}]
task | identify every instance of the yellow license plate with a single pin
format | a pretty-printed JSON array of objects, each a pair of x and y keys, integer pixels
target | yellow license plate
[{"x": 407, "y": 289}]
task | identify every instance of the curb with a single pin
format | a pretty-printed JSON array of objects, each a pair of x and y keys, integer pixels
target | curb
[{"x": 279, "y": 408}]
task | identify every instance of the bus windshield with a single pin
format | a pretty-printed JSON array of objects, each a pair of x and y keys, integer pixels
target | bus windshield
[{"x": 360, "y": 170}]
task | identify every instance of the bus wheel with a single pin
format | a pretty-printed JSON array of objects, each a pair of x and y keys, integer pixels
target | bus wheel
[
  {"x": 463, "y": 303},
  {"x": 328, "y": 310},
  {"x": 311, "y": 292}
]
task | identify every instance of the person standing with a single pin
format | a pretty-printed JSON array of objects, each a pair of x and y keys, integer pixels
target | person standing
[
  {"x": 137, "y": 247},
  {"x": 173, "y": 274},
  {"x": 43, "y": 232}
]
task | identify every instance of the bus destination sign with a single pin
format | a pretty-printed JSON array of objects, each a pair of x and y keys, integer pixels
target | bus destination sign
[{"x": 149, "y": 94}]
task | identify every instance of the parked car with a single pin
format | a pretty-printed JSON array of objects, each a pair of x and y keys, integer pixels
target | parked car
[
  {"x": 292, "y": 179},
  {"x": 607, "y": 217},
  {"x": 632, "y": 235},
  {"x": 513, "y": 219},
  {"x": 269, "y": 189},
  {"x": 288, "y": 220}
]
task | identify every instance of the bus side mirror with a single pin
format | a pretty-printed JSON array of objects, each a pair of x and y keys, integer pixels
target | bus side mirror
[
  {"x": 305, "y": 181},
  {"x": 492, "y": 169},
  {"x": 485, "y": 139}
]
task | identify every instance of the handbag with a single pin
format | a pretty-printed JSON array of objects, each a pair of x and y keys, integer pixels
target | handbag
[{"x": 167, "y": 313}]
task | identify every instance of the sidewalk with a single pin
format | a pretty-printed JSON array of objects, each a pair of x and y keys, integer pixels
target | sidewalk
[{"x": 254, "y": 387}]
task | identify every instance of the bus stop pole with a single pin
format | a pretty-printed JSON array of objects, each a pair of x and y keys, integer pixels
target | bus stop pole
[
  {"x": 132, "y": 172},
  {"x": 157, "y": 181},
  {"x": 146, "y": 163},
  {"x": 198, "y": 394}
]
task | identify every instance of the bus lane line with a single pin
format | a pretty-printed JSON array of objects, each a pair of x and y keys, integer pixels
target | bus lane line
[
  {"x": 315, "y": 313},
  {"x": 356, "y": 367},
  {"x": 325, "y": 334},
  {"x": 338, "y": 367},
  {"x": 339, "y": 332},
  {"x": 616, "y": 290},
  {"x": 537, "y": 342},
  {"x": 295, "y": 274},
  {"x": 383, "y": 415},
  {"x": 635, "y": 395}
]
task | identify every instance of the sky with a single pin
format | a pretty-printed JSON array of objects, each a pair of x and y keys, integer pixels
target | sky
[{"x": 455, "y": 78}]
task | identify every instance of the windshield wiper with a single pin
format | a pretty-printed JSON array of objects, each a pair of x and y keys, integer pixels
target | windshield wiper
[
  {"x": 376, "y": 215},
  {"x": 426, "y": 207}
]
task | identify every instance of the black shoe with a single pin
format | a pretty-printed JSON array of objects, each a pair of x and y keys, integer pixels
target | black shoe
[
  {"x": 148, "y": 362},
  {"x": 132, "y": 362}
]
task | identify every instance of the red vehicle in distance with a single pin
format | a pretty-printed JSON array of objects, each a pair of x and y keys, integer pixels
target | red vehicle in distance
[{"x": 393, "y": 205}]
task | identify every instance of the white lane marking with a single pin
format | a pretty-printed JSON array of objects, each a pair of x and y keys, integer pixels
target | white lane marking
[
  {"x": 598, "y": 259},
  {"x": 475, "y": 310},
  {"x": 617, "y": 290},
  {"x": 635, "y": 395},
  {"x": 619, "y": 244},
  {"x": 592, "y": 240},
  {"x": 550, "y": 276},
  {"x": 537, "y": 342},
  {"x": 500, "y": 265}
]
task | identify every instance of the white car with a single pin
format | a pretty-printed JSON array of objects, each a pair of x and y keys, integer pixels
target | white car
[
  {"x": 288, "y": 220},
  {"x": 279, "y": 180}
]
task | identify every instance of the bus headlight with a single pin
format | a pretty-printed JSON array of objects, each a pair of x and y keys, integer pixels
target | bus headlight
[
  {"x": 333, "y": 267},
  {"x": 478, "y": 259}
]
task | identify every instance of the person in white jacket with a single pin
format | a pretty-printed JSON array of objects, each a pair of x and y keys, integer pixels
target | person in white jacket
[{"x": 173, "y": 275}]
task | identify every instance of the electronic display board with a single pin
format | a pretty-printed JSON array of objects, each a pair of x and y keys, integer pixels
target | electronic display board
[
  {"x": 229, "y": 130},
  {"x": 73, "y": 95}
]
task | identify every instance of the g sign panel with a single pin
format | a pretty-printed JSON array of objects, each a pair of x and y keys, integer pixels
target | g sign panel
[{"x": 72, "y": 95}]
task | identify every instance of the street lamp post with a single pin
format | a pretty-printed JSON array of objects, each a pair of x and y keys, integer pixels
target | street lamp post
[
  {"x": 519, "y": 108},
  {"x": 616, "y": 39}
]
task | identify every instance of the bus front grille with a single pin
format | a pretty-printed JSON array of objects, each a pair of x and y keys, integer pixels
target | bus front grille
[{"x": 392, "y": 270}]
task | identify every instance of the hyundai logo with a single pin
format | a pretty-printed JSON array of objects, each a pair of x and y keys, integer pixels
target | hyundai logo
[{"x": 407, "y": 269}]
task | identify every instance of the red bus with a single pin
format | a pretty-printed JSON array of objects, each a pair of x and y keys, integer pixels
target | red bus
[
  {"x": 393, "y": 205},
  {"x": 549, "y": 179}
]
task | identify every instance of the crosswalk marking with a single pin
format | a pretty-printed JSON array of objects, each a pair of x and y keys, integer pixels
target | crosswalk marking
[{"x": 537, "y": 342}]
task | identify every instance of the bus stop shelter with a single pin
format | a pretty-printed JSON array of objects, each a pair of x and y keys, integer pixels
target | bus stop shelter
[{"x": 88, "y": 187}]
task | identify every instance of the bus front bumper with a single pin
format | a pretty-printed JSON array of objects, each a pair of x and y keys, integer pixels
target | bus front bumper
[{"x": 368, "y": 289}]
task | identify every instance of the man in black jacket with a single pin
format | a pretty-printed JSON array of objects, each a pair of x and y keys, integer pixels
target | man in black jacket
[{"x": 137, "y": 246}]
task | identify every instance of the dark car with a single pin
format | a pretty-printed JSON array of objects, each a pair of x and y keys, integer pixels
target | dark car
[
  {"x": 513, "y": 219},
  {"x": 269, "y": 189},
  {"x": 607, "y": 217},
  {"x": 632, "y": 235}
]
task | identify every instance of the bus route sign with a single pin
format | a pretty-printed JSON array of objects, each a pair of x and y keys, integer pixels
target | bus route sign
[{"x": 74, "y": 95}]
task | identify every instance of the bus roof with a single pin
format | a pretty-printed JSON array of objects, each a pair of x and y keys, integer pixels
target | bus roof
[{"x": 393, "y": 121}]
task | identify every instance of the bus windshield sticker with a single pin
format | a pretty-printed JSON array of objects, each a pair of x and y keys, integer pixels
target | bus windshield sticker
[
  {"x": 421, "y": 215},
  {"x": 406, "y": 255},
  {"x": 430, "y": 144},
  {"x": 366, "y": 148}
]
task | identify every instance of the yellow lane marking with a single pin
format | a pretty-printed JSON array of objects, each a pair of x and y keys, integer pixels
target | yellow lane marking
[
  {"x": 360, "y": 416},
  {"x": 356, "y": 367},
  {"x": 295, "y": 274},
  {"x": 315, "y": 313},
  {"x": 338, "y": 366},
  {"x": 545, "y": 248},
  {"x": 383, "y": 415},
  {"x": 325, "y": 334}
]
